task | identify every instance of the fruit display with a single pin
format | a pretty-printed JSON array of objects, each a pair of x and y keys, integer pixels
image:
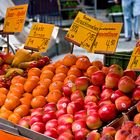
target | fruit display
[
  {"x": 72, "y": 98},
  {"x": 18, "y": 64}
]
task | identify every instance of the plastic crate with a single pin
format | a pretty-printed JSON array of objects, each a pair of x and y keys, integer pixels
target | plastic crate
[{"x": 121, "y": 58}]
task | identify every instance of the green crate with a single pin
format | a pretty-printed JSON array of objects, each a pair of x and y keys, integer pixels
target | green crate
[{"x": 121, "y": 58}]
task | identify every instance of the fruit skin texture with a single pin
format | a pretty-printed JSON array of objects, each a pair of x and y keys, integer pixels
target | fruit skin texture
[
  {"x": 65, "y": 119},
  {"x": 93, "y": 121},
  {"x": 126, "y": 84},
  {"x": 138, "y": 106},
  {"x": 116, "y": 95},
  {"x": 38, "y": 127},
  {"x": 137, "y": 118},
  {"x": 121, "y": 134},
  {"x": 106, "y": 137},
  {"x": 66, "y": 136},
  {"x": 115, "y": 68},
  {"x": 109, "y": 131},
  {"x": 127, "y": 125},
  {"x": 51, "y": 132},
  {"x": 93, "y": 135},
  {"x": 24, "y": 122},
  {"x": 81, "y": 134},
  {"x": 132, "y": 137},
  {"x": 136, "y": 94},
  {"x": 82, "y": 83},
  {"x": 93, "y": 90},
  {"x": 111, "y": 80},
  {"x": 107, "y": 112},
  {"x": 106, "y": 93},
  {"x": 130, "y": 73},
  {"x": 135, "y": 130},
  {"x": 123, "y": 103},
  {"x": 98, "y": 78}
]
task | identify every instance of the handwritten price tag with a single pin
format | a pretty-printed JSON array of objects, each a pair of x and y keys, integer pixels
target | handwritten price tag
[
  {"x": 134, "y": 62},
  {"x": 15, "y": 18},
  {"x": 83, "y": 30},
  {"x": 107, "y": 38},
  {"x": 39, "y": 37}
]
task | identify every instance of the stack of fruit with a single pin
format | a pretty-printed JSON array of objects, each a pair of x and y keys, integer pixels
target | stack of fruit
[{"x": 70, "y": 98}]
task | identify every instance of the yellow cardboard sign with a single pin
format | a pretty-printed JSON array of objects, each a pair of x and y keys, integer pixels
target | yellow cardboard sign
[
  {"x": 134, "y": 62},
  {"x": 15, "y": 18},
  {"x": 83, "y": 30},
  {"x": 39, "y": 37},
  {"x": 107, "y": 38}
]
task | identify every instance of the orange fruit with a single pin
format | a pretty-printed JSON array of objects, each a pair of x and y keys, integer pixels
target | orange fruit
[
  {"x": 59, "y": 77},
  {"x": 18, "y": 79},
  {"x": 45, "y": 82},
  {"x": 2, "y": 99},
  {"x": 14, "y": 118},
  {"x": 105, "y": 70},
  {"x": 16, "y": 92},
  {"x": 3, "y": 91},
  {"x": 56, "y": 85},
  {"x": 54, "y": 96},
  {"x": 83, "y": 63},
  {"x": 5, "y": 114},
  {"x": 28, "y": 95},
  {"x": 62, "y": 69},
  {"x": 97, "y": 63},
  {"x": 38, "y": 101},
  {"x": 17, "y": 86},
  {"x": 75, "y": 71},
  {"x": 82, "y": 56},
  {"x": 70, "y": 78},
  {"x": 46, "y": 74},
  {"x": 11, "y": 102},
  {"x": 31, "y": 83},
  {"x": 3, "y": 108},
  {"x": 34, "y": 72},
  {"x": 50, "y": 67},
  {"x": 58, "y": 63},
  {"x": 22, "y": 110},
  {"x": 91, "y": 70},
  {"x": 25, "y": 101},
  {"x": 69, "y": 59},
  {"x": 40, "y": 90}
]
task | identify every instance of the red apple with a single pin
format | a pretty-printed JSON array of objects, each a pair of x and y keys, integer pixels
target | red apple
[
  {"x": 50, "y": 107},
  {"x": 137, "y": 82},
  {"x": 82, "y": 114},
  {"x": 109, "y": 130},
  {"x": 49, "y": 115},
  {"x": 64, "y": 128},
  {"x": 98, "y": 78},
  {"x": 138, "y": 106},
  {"x": 51, "y": 124},
  {"x": 78, "y": 94},
  {"x": 107, "y": 112},
  {"x": 126, "y": 84},
  {"x": 90, "y": 98},
  {"x": 51, "y": 132},
  {"x": 38, "y": 127},
  {"x": 68, "y": 88},
  {"x": 65, "y": 119},
  {"x": 62, "y": 103},
  {"x": 137, "y": 119},
  {"x": 61, "y": 112},
  {"x": 41, "y": 63},
  {"x": 93, "y": 90},
  {"x": 130, "y": 73},
  {"x": 93, "y": 121},
  {"x": 121, "y": 134},
  {"x": 35, "y": 118},
  {"x": 127, "y": 125},
  {"x": 37, "y": 111},
  {"x": 123, "y": 103},
  {"x": 115, "y": 68},
  {"x": 116, "y": 95},
  {"x": 82, "y": 83},
  {"x": 81, "y": 134},
  {"x": 106, "y": 137},
  {"x": 111, "y": 80},
  {"x": 136, "y": 94},
  {"x": 106, "y": 94},
  {"x": 75, "y": 106},
  {"x": 93, "y": 135},
  {"x": 91, "y": 111},
  {"x": 133, "y": 137},
  {"x": 136, "y": 130},
  {"x": 24, "y": 122},
  {"x": 103, "y": 87},
  {"x": 66, "y": 136},
  {"x": 91, "y": 105},
  {"x": 78, "y": 124},
  {"x": 104, "y": 102}
]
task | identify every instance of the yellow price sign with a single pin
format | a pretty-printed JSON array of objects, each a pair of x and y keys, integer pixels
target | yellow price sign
[
  {"x": 39, "y": 37},
  {"x": 134, "y": 62},
  {"x": 15, "y": 18},
  {"x": 83, "y": 30},
  {"x": 107, "y": 38}
]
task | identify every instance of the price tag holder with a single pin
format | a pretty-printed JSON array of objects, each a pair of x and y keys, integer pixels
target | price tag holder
[
  {"x": 39, "y": 37},
  {"x": 107, "y": 38},
  {"x": 83, "y": 31},
  {"x": 134, "y": 62},
  {"x": 15, "y": 18}
]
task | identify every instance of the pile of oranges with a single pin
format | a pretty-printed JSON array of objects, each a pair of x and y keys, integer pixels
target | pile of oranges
[{"x": 43, "y": 85}]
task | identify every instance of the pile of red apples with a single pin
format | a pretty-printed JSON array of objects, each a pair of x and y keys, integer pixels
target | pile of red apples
[{"x": 87, "y": 105}]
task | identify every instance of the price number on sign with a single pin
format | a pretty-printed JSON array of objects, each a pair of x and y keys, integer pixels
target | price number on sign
[
  {"x": 110, "y": 43},
  {"x": 19, "y": 22},
  {"x": 44, "y": 43}
]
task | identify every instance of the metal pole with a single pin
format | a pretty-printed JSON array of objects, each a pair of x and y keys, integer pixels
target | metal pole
[
  {"x": 7, "y": 43},
  {"x": 95, "y": 7}
]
